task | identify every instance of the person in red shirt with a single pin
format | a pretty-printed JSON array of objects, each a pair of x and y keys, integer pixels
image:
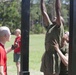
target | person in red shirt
[
  {"x": 3, "y": 60},
  {"x": 17, "y": 50},
  {"x": 4, "y": 37}
]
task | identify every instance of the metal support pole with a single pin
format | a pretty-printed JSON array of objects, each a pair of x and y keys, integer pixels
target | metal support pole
[
  {"x": 72, "y": 47},
  {"x": 25, "y": 16}
]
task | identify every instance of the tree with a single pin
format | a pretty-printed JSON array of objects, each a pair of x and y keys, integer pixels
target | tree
[{"x": 10, "y": 14}]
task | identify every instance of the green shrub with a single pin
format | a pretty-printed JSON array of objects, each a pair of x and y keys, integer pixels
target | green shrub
[{"x": 37, "y": 29}]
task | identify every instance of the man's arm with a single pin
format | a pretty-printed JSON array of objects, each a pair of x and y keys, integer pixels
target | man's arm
[
  {"x": 9, "y": 50},
  {"x": 1, "y": 70},
  {"x": 13, "y": 47},
  {"x": 46, "y": 18},
  {"x": 64, "y": 58},
  {"x": 58, "y": 14}
]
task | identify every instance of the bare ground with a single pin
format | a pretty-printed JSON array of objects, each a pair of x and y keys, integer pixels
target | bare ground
[{"x": 33, "y": 72}]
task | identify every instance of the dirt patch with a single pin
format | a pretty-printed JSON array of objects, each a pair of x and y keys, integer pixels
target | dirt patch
[{"x": 33, "y": 72}]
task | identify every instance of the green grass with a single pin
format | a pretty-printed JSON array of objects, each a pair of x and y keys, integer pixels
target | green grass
[{"x": 36, "y": 49}]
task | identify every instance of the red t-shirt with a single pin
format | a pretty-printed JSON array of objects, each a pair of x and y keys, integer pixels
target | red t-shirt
[
  {"x": 3, "y": 59},
  {"x": 18, "y": 41}
]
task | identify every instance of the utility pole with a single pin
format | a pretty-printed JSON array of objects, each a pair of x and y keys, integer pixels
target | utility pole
[
  {"x": 25, "y": 18},
  {"x": 72, "y": 47}
]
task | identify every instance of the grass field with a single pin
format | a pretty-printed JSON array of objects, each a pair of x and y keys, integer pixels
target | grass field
[{"x": 36, "y": 49}]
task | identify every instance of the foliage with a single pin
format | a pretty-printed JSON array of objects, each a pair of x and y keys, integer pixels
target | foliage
[
  {"x": 37, "y": 29},
  {"x": 10, "y": 14},
  {"x": 35, "y": 13}
]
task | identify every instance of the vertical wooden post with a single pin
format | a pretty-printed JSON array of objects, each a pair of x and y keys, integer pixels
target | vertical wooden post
[
  {"x": 72, "y": 47},
  {"x": 25, "y": 16}
]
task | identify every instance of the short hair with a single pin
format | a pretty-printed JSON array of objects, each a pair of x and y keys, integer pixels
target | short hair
[
  {"x": 4, "y": 30},
  {"x": 18, "y": 30},
  {"x": 67, "y": 32}
]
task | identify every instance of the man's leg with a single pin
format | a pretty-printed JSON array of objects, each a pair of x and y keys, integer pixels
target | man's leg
[{"x": 18, "y": 68}]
